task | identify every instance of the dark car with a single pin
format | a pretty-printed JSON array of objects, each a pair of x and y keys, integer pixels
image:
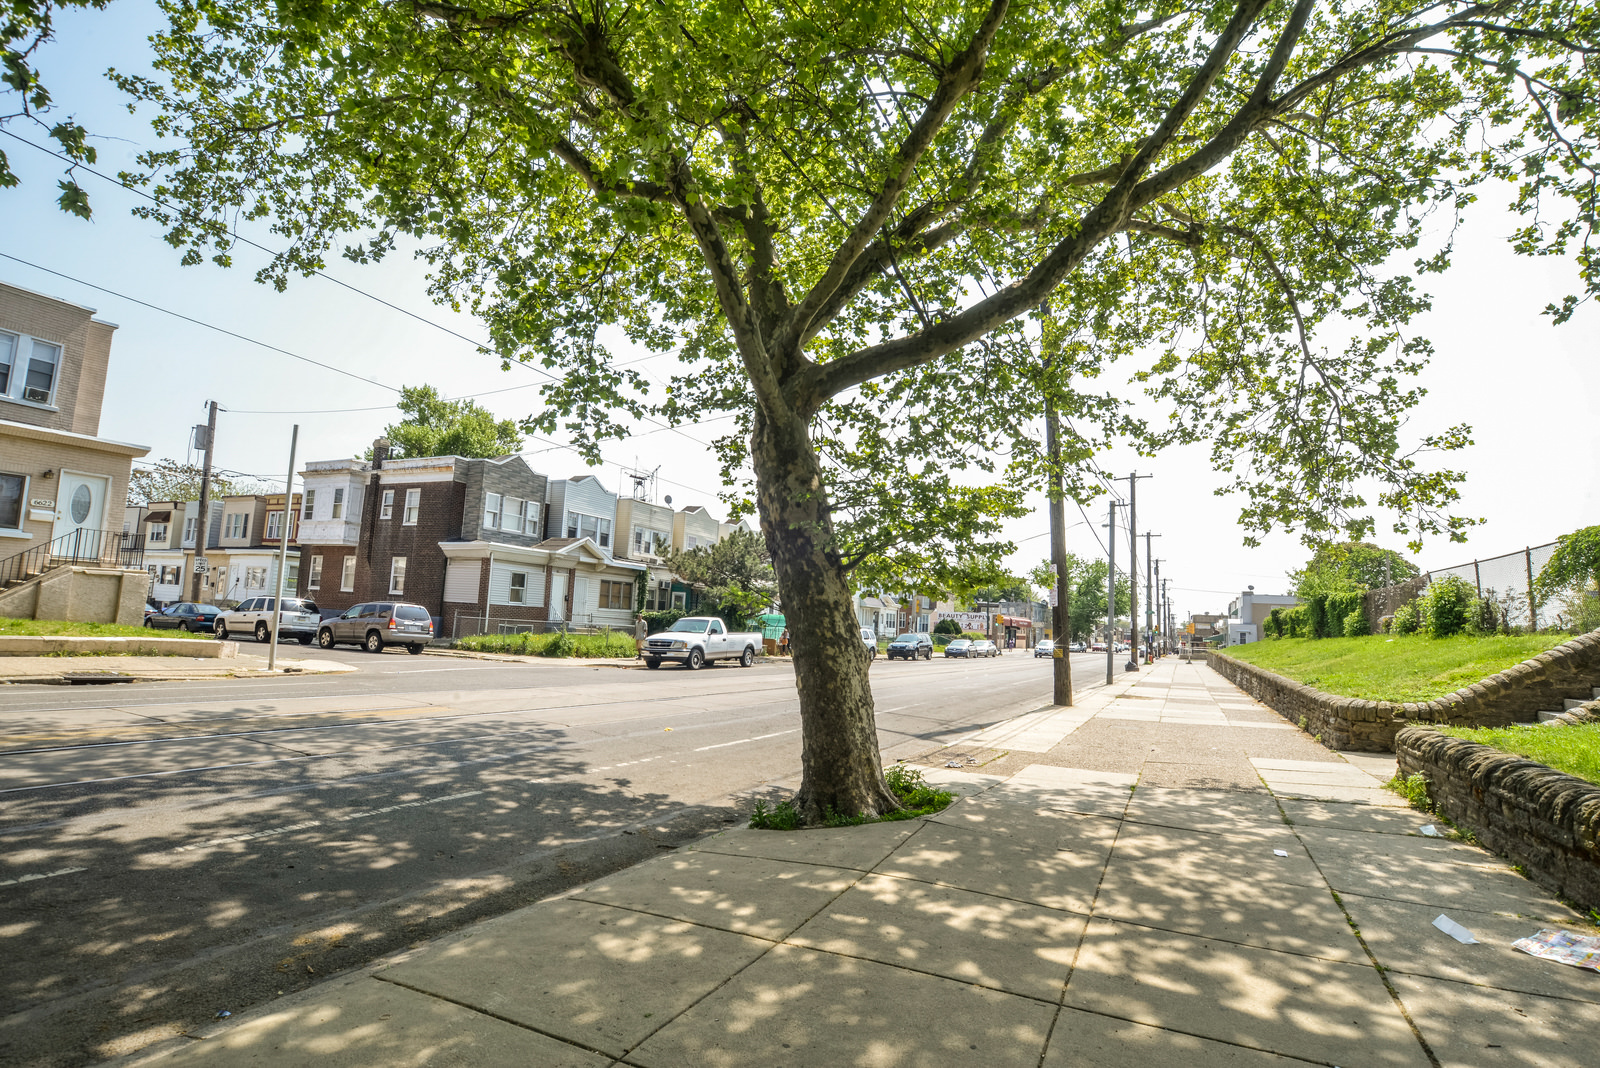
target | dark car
[
  {"x": 911, "y": 646},
  {"x": 376, "y": 624},
  {"x": 185, "y": 615}
]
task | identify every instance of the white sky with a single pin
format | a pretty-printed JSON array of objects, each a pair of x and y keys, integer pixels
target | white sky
[{"x": 1531, "y": 391}]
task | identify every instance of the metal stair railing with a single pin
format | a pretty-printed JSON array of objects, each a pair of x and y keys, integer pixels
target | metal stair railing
[{"x": 106, "y": 548}]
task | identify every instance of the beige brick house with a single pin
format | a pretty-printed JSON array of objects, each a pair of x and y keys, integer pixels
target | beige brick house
[{"x": 61, "y": 483}]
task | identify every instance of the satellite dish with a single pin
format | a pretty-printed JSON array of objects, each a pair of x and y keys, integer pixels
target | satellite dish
[
  {"x": 668, "y": 498},
  {"x": 1250, "y": 588}
]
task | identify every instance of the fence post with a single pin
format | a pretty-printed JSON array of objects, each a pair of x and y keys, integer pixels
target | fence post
[
  {"x": 1533, "y": 606},
  {"x": 1477, "y": 579}
]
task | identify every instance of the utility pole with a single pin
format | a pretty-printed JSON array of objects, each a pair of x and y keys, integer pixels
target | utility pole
[
  {"x": 283, "y": 550},
  {"x": 1149, "y": 594},
  {"x": 1111, "y": 593},
  {"x": 1061, "y": 614},
  {"x": 1161, "y": 617},
  {"x": 1166, "y": 606},
  {"x": 203, "y": 524},
  {"x": 1132, "y": 479}
]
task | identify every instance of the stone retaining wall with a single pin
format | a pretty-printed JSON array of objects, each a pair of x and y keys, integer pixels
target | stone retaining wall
[
  {"x": 48, "y": 645},
  {"x": 1543, "y": 819},
  {"x": 1516, "y": 695}
]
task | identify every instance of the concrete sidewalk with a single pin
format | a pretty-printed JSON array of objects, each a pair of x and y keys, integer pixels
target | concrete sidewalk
[
  {"x": 91, "y": 670},
  {"x": 1117, "y": 898}
]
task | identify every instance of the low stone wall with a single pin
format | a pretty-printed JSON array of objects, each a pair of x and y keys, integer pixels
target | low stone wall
[
  {"x": 1516, "y": 695},
  {"x": 28, "y": 645},
  {"x": 1543, "y": 819}
]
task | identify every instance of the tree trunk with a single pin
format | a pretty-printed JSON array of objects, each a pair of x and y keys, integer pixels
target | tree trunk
[{"x": 842, "y": 771}]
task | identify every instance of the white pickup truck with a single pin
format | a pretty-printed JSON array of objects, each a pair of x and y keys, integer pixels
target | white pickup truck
[{"x": 696, "y": 640}]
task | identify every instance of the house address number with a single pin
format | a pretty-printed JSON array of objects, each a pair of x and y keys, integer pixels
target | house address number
[{"x": 41, "y": 502}]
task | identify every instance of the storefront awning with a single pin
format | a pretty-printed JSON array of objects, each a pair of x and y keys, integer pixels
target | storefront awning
[{"x": 1014, "y": 621}]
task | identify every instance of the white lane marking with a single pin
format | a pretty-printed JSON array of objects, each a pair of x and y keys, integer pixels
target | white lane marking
[
  {"x": 741, "y": 741},
  {"x": 35, "y": 876},
  {"x": 405, "y": 804}
]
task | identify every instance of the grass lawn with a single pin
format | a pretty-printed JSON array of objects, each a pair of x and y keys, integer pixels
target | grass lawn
[
  {"x": 609, "y": 644},
  {"x": 1402, "y": 668},
  {"x": 62, "y": 628},
  {"x": 1572, "y": 749}
]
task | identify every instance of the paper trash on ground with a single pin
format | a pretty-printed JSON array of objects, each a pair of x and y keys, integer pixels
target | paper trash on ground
[
  {"x": 1564, "y": 947},
  {"x": 1280, "y": 852},
  {"x": 1455, "y": 930},
  {"x": 1431, "y": 831}
]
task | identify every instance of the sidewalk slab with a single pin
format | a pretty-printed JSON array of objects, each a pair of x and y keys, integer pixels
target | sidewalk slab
[
  {"x": 1060, "y": 873},
  {"x": 1089, "y": 1040},
  {"x": 858, "y": 848},
  {"x": 1474, "y": 1027},
  {"x": 1428, "y": 871}
]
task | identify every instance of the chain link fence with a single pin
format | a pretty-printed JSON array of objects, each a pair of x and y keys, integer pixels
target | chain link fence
[
  {"x": 465, "y": 626},
  {"x": 1507, "y": 581}
]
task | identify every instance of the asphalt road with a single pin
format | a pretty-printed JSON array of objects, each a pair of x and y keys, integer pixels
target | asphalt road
[{"x": 172, "y": 850}]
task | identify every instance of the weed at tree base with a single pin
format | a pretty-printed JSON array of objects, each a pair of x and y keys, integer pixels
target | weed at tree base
[{"x": 917, "y": 798}]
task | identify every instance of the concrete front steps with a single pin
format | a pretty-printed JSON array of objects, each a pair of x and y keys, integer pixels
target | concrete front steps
[{"x": 1575, "y": 711}]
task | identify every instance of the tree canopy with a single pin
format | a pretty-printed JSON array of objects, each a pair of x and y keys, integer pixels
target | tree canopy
[
  {"x": 840, "y": 217},
  {"x": 1348, "y": 566},
  {"x": 175, "y": 480},
  {"x": 1574, "y": 565},
  {"x": 436, "y": 427},
  {"x": 734, "y": 575}
]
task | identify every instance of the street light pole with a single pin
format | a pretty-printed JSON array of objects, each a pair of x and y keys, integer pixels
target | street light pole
[{"x": 283, "y": 551}]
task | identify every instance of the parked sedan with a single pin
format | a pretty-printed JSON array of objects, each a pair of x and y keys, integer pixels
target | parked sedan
[
  {"x": 1078, "y": 647},
  {"x": 1044, "y": 648},
  {"x": 185, "y": 615},
  {"x": 984, "y": 648},
  {"x": 299, "y": 619},
  {"x": 958, "y": 647}
]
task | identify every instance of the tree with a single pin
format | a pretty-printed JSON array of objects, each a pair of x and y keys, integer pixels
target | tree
[
  {"x": 1347, "y": 566},
  {"x": 1574, "y": 565},
  {"x": 734, "y": 576},
  {"x": 436, "y": 427},
  {"x": 1089, "y": 598},
  {"x": 173, "y": 480},
  {"x": 1013, "y": 589},
  {"x": 839, "y": 216}
]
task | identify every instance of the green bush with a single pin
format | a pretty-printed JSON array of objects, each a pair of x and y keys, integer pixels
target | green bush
[
  {"x": 947, "y": 626},
  {"x": 1406, "y": 619},
  {"x": 1443, "y": 607},
  {"x": 1356, "y": 625},
  {"x": 1316, "y": 607},
  {"x": 660, "y": 621},
  {"x": 1296, "y": 622},
  {"x": 1274, "y": 624},
  {"x": 1483, "y": 617},
  {"x": 1346, "y": 614},
  {"x": 607, "y": 644}
]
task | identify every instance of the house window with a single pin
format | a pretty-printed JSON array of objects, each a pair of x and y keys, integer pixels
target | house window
[
  {"x": 616, "y": 594},
  {"x": 397, "y": 575},
  {"x": 413, "y": 506},
  {"x": 314, "y": 580},
  {"x": 171, "y": 574},
  {"x": 680, "y": 601},
  {"x": 660, "y": 597},
  {"x": 238, "y": 525},
  {"x": 274, "y": 526},
  {"x": 12, "y": 492},
  {"x": 158, "y": 532},
  {"x": 255, "y": 578},
  {"x": 310, "y": 502},
  {"x": 650, "y": 542},
  {"x": 518, "y": 594},
  {"x": 190, "y": 525},
  {"x": 347, "y": 574},
  {"x": 491, "y": 511},
  {"x": 292, "y": 581},
  {"x": 338, "y": 504},
  {"x": 8, "y": 357},
  {"x": 387, "y": 511},
  {"x": 592, "y": 527},
  {"x": 530, "y": 518},
  {"x": 28, "y": 368}
]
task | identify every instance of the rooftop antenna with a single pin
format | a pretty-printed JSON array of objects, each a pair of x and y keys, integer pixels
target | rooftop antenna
[{"x": 644, "y": 484}]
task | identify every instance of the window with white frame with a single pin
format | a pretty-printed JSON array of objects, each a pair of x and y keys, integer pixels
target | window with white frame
[
  {"x": 592, "y": 527},
  {"x": 517, "y": 593},
  {"x": 274, "y": 526},
  {"x": 347, "y": 574},
  {"x": 171, "y": 574},
  {"x": 651, "y": 542},
  {"x": 29, "y": 368},
  {"x": 190, "y": 526},
  {"x": 659, "y": 598},
  {"x": 387, "y": 509},
  {"x": 338, "y": 503},
  {"x": 237, "y": 525},
  {"x": 13, "y": 489},
  {"x": 314, "y": 577},
  {"x": 308, "y": 503},
  {"x": 530, "y": 517},
  {"x": 413, "y": 506},
  {"x": 615, "y": 595},
  {"x": 158, "y": 532},
  {"x": 255, "y": 578},
  {"x": 491, "y": 511},
  {"x": 397, "y": 575}
]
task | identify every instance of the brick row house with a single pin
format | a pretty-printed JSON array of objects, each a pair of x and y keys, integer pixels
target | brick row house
[{"x": 483, "y": 544}]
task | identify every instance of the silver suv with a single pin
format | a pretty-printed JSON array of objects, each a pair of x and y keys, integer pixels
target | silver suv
[
  {"x": 299, "y": 619},
  {"x": 376, "y": 624}
]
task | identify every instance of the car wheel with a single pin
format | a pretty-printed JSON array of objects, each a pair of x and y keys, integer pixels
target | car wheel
[
  {"x": 325, "y": 638},
  {"x": 694, "y": 660},
  {"x": 652, "y": 662},
  {"x": 184, "y": 626},
  {"x": 305, "y": 639},
  {"x": 221, "y": 631},
  {"x": 414, "y": 650},
  {"x": 374, "y": 642},
  {"x": 263, "y": 633},
  {"x": 748, "y": 658}
]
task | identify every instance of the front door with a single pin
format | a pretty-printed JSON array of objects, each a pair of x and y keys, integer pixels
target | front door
[
  {"x": 81, "y": 506},
  {"x": 558, "y": 596}
]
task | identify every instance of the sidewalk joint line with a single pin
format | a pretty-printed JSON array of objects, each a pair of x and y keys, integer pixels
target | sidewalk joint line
[{"x": 481, "y": 1011}]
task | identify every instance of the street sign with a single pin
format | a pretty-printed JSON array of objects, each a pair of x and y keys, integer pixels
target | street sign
[{"x": 201, "y": 565}]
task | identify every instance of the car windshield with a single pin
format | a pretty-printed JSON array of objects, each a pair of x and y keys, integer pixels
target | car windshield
[
  {"x": 909, "y": 638},
  {"x": 694, "y": 626},
  {"x": 962, "y": 641},
  {"x": 410, "y": 611},
  {"x": 295, "y": 604}
]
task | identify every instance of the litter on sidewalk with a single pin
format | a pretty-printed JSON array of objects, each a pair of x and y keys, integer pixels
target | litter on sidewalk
[
  {"x": 1455, "y": 930},
  {"x": 1280, "y": 852},
  {"x": 1563, "y": 947},
  {"x": 1431, "y": 831}
]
